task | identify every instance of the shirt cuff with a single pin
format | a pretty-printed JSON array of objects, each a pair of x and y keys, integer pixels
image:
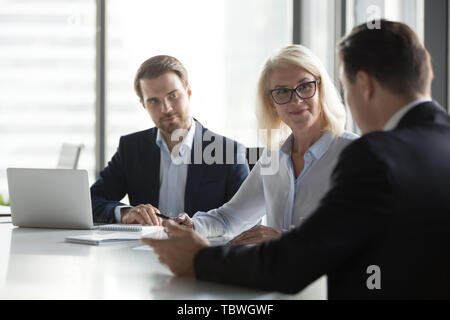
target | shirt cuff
[
  {"x": 200, "y": 228},
  {"x": 117, "y": 214}
]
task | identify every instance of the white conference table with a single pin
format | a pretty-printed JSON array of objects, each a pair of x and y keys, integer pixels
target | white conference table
[{"x": 39, "y": 264}]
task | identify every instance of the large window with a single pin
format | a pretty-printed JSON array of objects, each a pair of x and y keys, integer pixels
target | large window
[
  {"x": 47, "y": 82},
  {"x": 222, "y": 43},
  {"x": 318, "y": 25},
  {"x": 47, "y": 55}
]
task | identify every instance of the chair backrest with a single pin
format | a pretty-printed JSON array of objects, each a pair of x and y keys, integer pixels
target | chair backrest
[
  {"x": 69, "y": 156},
  {"x": 253, "y": 155}
]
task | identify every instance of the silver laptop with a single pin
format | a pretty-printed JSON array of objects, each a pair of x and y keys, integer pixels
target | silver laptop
[{"x": 50, "y": 198}]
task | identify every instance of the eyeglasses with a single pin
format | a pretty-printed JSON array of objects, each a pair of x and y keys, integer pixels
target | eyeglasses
[{"x": 305, "y": 90}]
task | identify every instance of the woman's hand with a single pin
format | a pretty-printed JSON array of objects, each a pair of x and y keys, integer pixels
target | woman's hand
[
  {"x": 184, "y": 220},
  {"x": 256, "y": 234}
]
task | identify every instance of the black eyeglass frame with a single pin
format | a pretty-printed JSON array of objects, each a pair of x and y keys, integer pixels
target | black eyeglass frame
[{"x": 295, "y": 90}]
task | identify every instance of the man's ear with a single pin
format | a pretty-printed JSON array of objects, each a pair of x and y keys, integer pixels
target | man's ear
[
  {"x": 142, "y": 103},
  {"x": 366, "y": 85}
]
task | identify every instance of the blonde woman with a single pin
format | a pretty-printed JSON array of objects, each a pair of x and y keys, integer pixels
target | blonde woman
[{"x": 296, "y": 96}]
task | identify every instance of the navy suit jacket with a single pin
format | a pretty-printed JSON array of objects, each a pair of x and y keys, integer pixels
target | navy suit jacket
[
  {"x": 134, "y": 170},
  {"x": 389, "y": 207}
]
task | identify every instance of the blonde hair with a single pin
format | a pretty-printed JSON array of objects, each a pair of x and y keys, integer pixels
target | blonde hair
[{"x": 333, "y": 109}]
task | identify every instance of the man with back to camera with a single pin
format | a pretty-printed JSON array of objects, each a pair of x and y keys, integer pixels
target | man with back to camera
[
  {"x": 162, "y": 169},
  {"x": 383, "y": 229}
]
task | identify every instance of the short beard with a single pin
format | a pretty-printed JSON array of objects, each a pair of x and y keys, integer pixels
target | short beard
[{"x": 168, "y": 129}]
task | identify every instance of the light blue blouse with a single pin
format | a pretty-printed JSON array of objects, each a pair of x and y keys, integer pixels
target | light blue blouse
[{"x": 283, "y": 198}]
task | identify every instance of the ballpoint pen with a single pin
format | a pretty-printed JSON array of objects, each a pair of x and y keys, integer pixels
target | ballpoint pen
[{"x": 162, "y": 216}]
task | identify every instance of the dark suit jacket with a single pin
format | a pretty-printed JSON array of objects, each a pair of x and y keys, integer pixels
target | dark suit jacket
[
  {"x": 134, "y": 170},
  {"x": 389, "y": 206}
]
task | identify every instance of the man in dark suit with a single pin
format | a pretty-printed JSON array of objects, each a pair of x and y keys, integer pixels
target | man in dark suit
[
  {"x": 178, "y": 166},
  {"x": 383, "y": 229}
]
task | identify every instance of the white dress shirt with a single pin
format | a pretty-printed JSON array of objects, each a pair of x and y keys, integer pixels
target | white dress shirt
[
  {"x": 396, "y": 117},
  {"x": 285, "y": 199},
  {"x": 172, "y": 175}
]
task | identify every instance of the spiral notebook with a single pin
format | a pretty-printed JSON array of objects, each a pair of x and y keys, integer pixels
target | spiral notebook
[
  {"x": 100, "y": 239},
  {"x": 103, "y": 237},
  {"x": 120, "y": 227}
]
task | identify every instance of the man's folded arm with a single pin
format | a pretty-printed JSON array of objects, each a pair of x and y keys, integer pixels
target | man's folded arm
[{"x": 346, "y": 220}]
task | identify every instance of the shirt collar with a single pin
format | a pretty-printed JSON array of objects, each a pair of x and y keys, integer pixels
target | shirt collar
[
  {"x": 317, "y": 149},
  {"x": 395, "y": 119},
  {"x": 187, "y": 142}
]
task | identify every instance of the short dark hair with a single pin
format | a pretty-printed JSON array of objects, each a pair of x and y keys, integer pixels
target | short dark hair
[
  {"x": 157, "y": 66},
  {"x": 393, "y": 54}
]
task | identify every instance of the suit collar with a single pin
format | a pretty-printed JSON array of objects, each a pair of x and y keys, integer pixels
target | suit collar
[
  {"x": 425, "y": 112},
  {"x": 396, "y": 117},
  {"x": 196, "y": 169}
]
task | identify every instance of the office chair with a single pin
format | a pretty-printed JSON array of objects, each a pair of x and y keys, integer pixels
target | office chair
[{"x": 69, "y": 156}]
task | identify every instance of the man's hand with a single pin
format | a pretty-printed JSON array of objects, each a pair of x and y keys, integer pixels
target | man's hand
[
  {"x": 179, "y": 250},
  {"x": 256, "y": 234},
  {"x": 142, "y": 214},
  {"x": 184, "y": 220}
]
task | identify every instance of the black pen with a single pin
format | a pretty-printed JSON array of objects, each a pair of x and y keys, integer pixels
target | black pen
[{"x": 162, "y": 216}]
